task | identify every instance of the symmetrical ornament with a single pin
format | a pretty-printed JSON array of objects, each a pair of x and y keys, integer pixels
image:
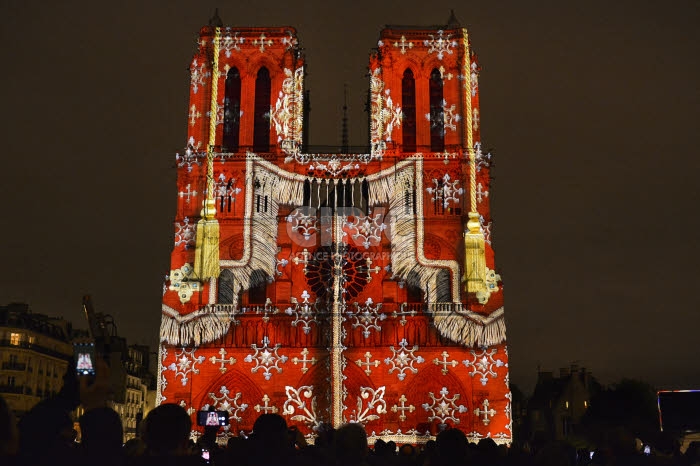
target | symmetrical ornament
[
  {"x": 303, "y": 221},
  {"x": 223, "y": 360},
  {"x": 198, "y": 75},
  {"x": 375, "y": 403},
  {"x": 287, "y": 114},
  {"x": 367, "y": 230},
  {"x": 384, "y": 114},
  {"x": 185, "y": 233},
  {"x": 440, "y": 44},
  {"x": 304, "y": 313},
  {"x": 403, "y": 45},
  {"x": 445, "y": 363},
  {"x": 265, "y": 359},
  {"x": 228, "y": 404},
  {"x": 444, "y": 408},
  {"x": 368, "y": 363},
  {"x": 265, "y": 408},
  {"x": 263, "y": 42},
  {"x": 403, "y": 359},
  {"x": 481, "y": 193},
  {"x": 186, "y": 363},
  {"x": 182, "y": 281},
  {"x": 303, "y": 360},
  {"x": 486, "y": 412},
  {"x": 483, "y": 364},
  {"x": 189, "y": 159},
  {"x": 367, "y": 317},
  {"x": 231, "y": 41},
  {"x": 298, "y": 409},
  {"x": 445, "y": 190},
  {"x": 402, "y": 408}
]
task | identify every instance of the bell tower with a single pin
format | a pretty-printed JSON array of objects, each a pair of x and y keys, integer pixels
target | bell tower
[{"x": 336, "y": 287}]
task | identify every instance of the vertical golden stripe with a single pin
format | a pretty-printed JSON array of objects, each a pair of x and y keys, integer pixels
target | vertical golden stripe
[
  {"x": 206, "y": 258},
  {"x": 213, "y": 115},
  {"x": 474, "y": 243}
]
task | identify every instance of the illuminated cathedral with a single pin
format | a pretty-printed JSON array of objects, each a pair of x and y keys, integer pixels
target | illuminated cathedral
[{"x": 336, "y": 287}]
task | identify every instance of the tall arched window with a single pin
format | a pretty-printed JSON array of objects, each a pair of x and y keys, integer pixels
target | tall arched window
[
  {"x": 408, "y": 102},
  {"x": 437, "y": 117},
  {"x": 232, "y": 110},
  {"x": 261, "y": 128}
]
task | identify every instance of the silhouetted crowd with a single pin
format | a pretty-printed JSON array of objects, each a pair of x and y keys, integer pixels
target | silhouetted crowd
[{"x": 45, "y": 436}]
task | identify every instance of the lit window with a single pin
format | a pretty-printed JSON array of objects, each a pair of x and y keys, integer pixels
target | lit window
[
  {"x": 567, "y": 405},
  {"x": 585, "y": 404},
  {"x": 14, "y": 338}
]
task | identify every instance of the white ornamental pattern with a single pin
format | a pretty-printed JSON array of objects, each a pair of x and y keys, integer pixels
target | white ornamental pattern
[
  {"x": 231, "y": 41},
  {"x": 198, "y": 75},
  {"x": 303, "y": 222},
  {"x": 266, "y": 359},
  {"x": 304, "y": 313},
  {"x": 367, "y": 230},
  {"x": 225, "y": 403},
  {"x": 367, "y": 317},
  {"x": 375, "y": 407},
  {"x": 287, "y": 114},
  {"x": 384, "y": 114},
  {"x": 186, "y": 364},
  {"x": 185, "y": 233},
  {"x": 403, "y": 360},
  {"x": 444, "y": 408},
  {"x": 301, "y": 405},
  {"x": 483, "y": 364},
  {"x": 440, "y": 44},
  {"x": 445, "y": 191}
]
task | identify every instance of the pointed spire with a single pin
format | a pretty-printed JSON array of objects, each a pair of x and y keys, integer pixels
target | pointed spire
[
  {"x": 452, "y": 21},
  {"x": 215, "y": 21},
  {"x": 345, "y": 141}
]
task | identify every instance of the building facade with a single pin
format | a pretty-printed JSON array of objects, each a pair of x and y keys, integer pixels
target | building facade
[
  {"x": 35, "y": 353},
  {"x": 343, "y": 287}
]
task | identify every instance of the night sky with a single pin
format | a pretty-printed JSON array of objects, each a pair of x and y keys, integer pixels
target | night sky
[{"x": 590, "y": 109}]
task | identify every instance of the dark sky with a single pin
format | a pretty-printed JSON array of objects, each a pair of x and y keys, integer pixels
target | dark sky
[{"x": 591, "y": 109}]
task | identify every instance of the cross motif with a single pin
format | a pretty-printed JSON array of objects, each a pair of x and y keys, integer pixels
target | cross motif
[
  {"x": 185, "y": 233},
  {"x": 303, "y": 360},
  {"x": 403, "y": 313},
  {"x": 189, "y": 193},
  {"x": 403, "y": 359},
  {"x": 265, "y": 359},
  {"x": 365, "y": 414},
  {"x": 444, "y": 362},
  {"x": 194, "y": 114},
  {"x": 475, "y": 119},
  {"x": 403, "y": 408},
  {"x": 223, "y": 360},
  {"x": 486, "y": 412},
  {"x": 265, "y": 408},
  {"x": 368, "y": 363},
  {"x": 447, "y": 76},
  {"x": 262, "y": 42},
  {"x": 230, "y": 42},
  {"x": 282, "y": 262},
  {"x": 481, "y": 193},
  {"x": 403, "y": 45}
]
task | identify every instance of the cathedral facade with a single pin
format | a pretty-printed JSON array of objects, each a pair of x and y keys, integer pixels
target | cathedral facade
[{"x": 344, "y": 287}]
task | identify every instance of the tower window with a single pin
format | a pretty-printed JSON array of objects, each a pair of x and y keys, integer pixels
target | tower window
[
  {"x": 232, "y": 111},
  {"x": 261, "y": 129},
  {"x": 437, "y": 118},
  {"x": 408, "y": 101}
]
